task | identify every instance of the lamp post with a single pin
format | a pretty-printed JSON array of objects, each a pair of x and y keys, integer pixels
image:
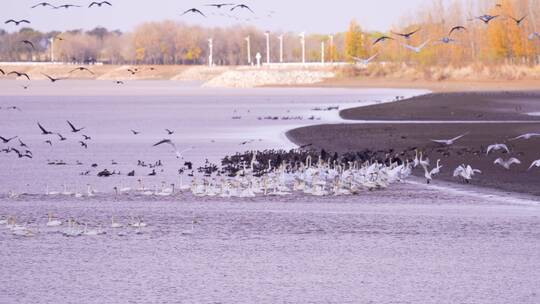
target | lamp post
[
  {"x": 52, "y": 49},
  {"x": 248, "y": 40},
  {"x": 267, "y": 34},
  {"x": 322, "y": 52},
  {"x": 211, "y": 47},
  {"x": 303, "y": 42},
  {"x": 331, "y": 48},
  {"x": 280, "y": 48}
]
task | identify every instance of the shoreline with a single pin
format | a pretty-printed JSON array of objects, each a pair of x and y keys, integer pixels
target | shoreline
[{"x": 390, "y": 135}]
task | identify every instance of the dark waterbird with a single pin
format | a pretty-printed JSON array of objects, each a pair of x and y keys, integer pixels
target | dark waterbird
[
  {"x": 43, "y": 130},
  {"x": 17, "y": 22},
  {"x": 382, "y": 39},
  {"x": 66, "y": 6},
  {"x": 220, "y": 5},
  {"x": 52, "y": 79},
  {"x": 82, "y": 69},
  {"x": 19, "y": 74},
  {"x": 7, "y": 140},
  {"x": 73, "y": 128},
  {"x": 100, "y": 4},
  {"x": 243, "y": 6},
  {"x": 193, "y": 10},
  {"x": 406, "y": 35},
  {"x": 43, "y": 4},
  {"x": 29, "y": 43}
]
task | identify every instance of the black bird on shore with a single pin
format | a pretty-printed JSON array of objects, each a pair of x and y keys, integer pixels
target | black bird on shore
[
  {"x": 220, "y": 5},
  {"x": 382, "y": 39},
  {"x": 62, "y": 138},
  {"x": 99, "y": 4},
  {"x": 82, "y": 69},
  {"x": 407, "y": 35},
  {"x": 28, "y": 42},
  {"x": 19, "y": 74},
  {"x": 73, "y": 128},
  {"x": 43, "y": 130},
  {"x": 153, "y": 173},
  {"x": 7, "y": 140},
  {"x": 43, "y": 4},
  {"x": 17, "y": 22},
  {"x": 52, "y": 79},
  {"x": 242, "y": 6},
  {"x": 193, "y": 10}
]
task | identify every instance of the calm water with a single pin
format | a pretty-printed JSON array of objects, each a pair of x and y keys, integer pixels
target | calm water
[{"x": 408, "y": 244}]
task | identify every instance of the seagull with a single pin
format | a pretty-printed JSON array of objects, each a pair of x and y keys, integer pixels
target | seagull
[
  {"x": 43, "y": 130},
  {"x": 220, "y": 5},
  {"x": 169, "y": 142},
  {"x": 497, "y": 147},
  {"x": 135, "y": 132},
  {"x": 66, "y": 6},
  {"x": 406, "y": 35},
  {"x": 193, "y": 10},
  {"x": 382, "y": 39},
  {"x": 526, "y": 136},
  {"x": 535, "y": 163},
  {"x": 169, "y": 132},
  {"x": 73, "y": 129},
  {"x": 81, "y": 69},
  {"x": 19, "y": 74},
  {"x": 100, "y": 3},
  {"x": 242, "y": 6},
  {"x": 28, "y": 42},
  {"x": 507, "y": 163},
  {"x": 448, "y": 142},
  {"x": 518, "y": 21},
  {"x": 363, "y": 61},
  {"x": 43, "y": 4},
  {"x": 417, "y": 49},
  {"x": 486, "y": 18},
  {"x": 52, "y": 79},
  {"x": 7, "y": 140},
  {"x": 17, "y": 22}
]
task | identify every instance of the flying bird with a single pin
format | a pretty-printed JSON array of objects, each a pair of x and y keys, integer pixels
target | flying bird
[
  {"x": 82, "y": 69},
  {"x": 43, "y": 4},
  {"x": 43, "y": 130},
  {"x": 242, "y": 6},
  {"x": 28, "y": 42},
  {"x": 19, "y": 74},
  {"x": 73, "y": 129},
  {"x": 99, "y": 4},
  {"x": 169, "y": 132},
  {"x": 518, "y": 21},
  {"x": 456, "y": 28},
  {"x": 135, "y": 132},
  {"x": 507, "y": 163},
  {"x": 62, "y": 138},
  {"x": 449, "y": 142},
  {"x": 2, "y": 72},
  {"x": 382, "y": 39},
  {"x": 22, "y": 144},
  {"x": 526, "y": 136},
  {"x": 66, "y": 6},
  {"x": 535, "y": 163},
  {"x": 486, "y": 18},
  {"x": 193, "y": 10},
  {"x": 416, "y": 49},
  {"x": 363, "y": 61},
  {"x": 52, "y": 79},
  {"x": 176, "y": 151},
  {"x": 220, "y": 5},
  {"x": 7, "y": 140},
  {"x": 83, "y": 144},
  {"x": 17, "y": 22},
  {"x": 497, "y": 147},
  {"x": 86, "y": 137},
  {"x": 406, "y": 35}
]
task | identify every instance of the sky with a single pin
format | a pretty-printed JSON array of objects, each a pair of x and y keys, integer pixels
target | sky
[{"x": 311, "y": 16}]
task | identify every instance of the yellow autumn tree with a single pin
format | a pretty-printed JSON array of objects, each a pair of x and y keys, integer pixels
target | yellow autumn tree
[{"x": 354, "y": 41}]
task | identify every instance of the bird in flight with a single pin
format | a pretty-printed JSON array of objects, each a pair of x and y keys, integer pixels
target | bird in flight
[
  {"x": 62, "y": 138},
  {"x": 52, "y": 79},
  {"x": 456, "y": 28},
  {"x": 169, "y": 132},
  {"x": 28, "y": 42},
  {"x": 99, "y": 4},
  {"x": 242, "y": 6},
  {"x": 497, "y": 147},
  {"x": 82, "y": 69},
  {"x": 363, "y": 61},
  {"x": 507, "y": 163},
  {"x": 66, "y": 6},
  {"x": 83, "y": 144},
  {"x": 73, "y": 128},
  {"x": 220, "y": 5},
  {"x": 407, "y": 35},
  {"x": 193, "y": 10},
  {"x": 7, "y": 140},
  {"x": 86, "y": 137},
  {"x": 135, "y": 132},
  {"x": 382, "y": 39},
  {"x": 518, "y": 21},
  {"x": 416, "y": 49},
  {"x": 449, "y": 142},
  {"x": 17, "y": 22},
  {"x": 486, "y": 18},
  {"x": 19, "y": 74},
  {"x": 535, "y": 163},
  {"x": 2, "y": 72},
  {"x": 43, "y": 4},
  {"x": 170, "y": 143},
  {"x": 43, "y": 130}
]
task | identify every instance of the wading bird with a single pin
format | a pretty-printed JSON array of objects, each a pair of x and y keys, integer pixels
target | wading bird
[
  {"x": 382, "y": 39},
  {"x": 43, "y": 4},
  {"x": 82, "y": 69}
]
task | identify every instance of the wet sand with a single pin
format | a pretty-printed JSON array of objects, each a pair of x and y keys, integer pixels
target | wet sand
[{"x": 489, "y": 117}]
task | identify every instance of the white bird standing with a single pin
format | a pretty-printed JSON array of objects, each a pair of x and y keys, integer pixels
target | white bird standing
[
  {"x": 449, "y": 142},
  {"x": 497, "y": 147},
  {"x": 507, "y": 163}
]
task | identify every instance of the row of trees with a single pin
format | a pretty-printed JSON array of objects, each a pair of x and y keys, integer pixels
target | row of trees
[{"x": 168, "y": 42}]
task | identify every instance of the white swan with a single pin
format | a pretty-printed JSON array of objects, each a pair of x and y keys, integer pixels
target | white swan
[
  {"x": 52, "y": 222},
  {"x": 497, "y": 147},
  {"x": 449, "y": 142},
  {"x": 535, "y": 163},
  {"x": 507, "y": 163}
]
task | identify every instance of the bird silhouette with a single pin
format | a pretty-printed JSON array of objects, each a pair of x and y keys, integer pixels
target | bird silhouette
[
  {"x": 52, "y": 79},
  {"x": 43, "y": 130},
  {"x": 7, "y": 140},
  {"x": 243, "y": 6},
  {"x": 99, "y": 4},
  {"x": 82, "y": 69},
  {"x": 17, "y": 22},
  {"x": 73, "y": 128},
  {"x": 66, "y": 6},
  {"x": 28, "y": 42},
  {"x": 220, "y": 5},
  {"x": 406, "y": 35},
  {"x": 43, "y": 4},
  {"x": 518, "y": 21},
  {"x": 382, "y": 39},
  {"x": 193, "y": 10},
  {"x": 19, "y": 74}
]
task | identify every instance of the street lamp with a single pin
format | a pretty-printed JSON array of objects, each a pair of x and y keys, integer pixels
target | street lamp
[
  {"x": 331, "y": 48},
  {"x": 267, "y": 34},
  {"x": 322, "y": 52},
  {"x": 280, "y": 48},
  {"x": 248, "y": 40},
  {"x": 303, "y": 42},
  {"x": 211, "y": 47}
]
